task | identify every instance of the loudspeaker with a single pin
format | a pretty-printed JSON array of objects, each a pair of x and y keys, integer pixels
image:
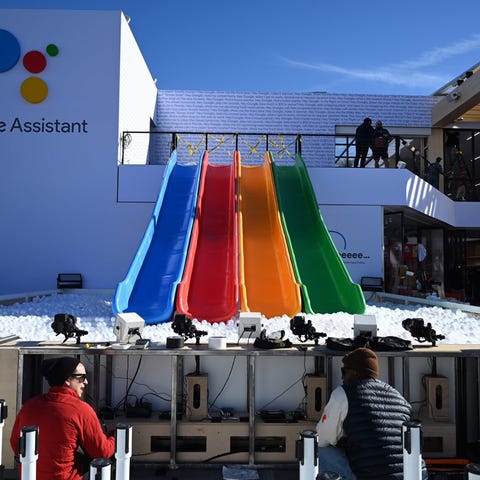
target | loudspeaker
[
  {"x": 316, "y": 396},
  {"x": 437, "y": 393},
  {"x": 197, "y": 396}
]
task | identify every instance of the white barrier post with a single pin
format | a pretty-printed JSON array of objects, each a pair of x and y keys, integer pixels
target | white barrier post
[
  {"x": 307, "y": 454},
  {"x": 123, "y": 451},
  {"x": 100, "y": 469},
  {"x": 412, "y": 452},
  {"x": 28, "y": 451},
  {"x": 3, "y": 416},
  {"x": 473, "y": 471}
]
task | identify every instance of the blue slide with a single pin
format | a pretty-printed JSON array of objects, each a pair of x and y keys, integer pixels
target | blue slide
[{"x": 150, "y": 285}]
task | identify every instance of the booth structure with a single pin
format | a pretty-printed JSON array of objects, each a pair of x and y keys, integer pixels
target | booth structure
[
  {"x": 188, "y": 426},
  {"x": 86, "y": 160}
]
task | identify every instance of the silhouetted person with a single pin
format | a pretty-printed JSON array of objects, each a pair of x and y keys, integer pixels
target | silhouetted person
[
  {"x": 434, "y": 171},
  {"x": 363, "y": 141},
  {"x": 381, "y": 137}
]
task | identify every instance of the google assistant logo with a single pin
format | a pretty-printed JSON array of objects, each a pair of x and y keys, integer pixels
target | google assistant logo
[{"x": 33, "y": 89}]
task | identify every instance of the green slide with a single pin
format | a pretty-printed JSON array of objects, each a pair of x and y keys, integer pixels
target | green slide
[{"x": 325, "y": 281}]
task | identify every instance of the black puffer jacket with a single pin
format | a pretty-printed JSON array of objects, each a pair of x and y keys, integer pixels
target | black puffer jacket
[{"x": 373, "y": 427}]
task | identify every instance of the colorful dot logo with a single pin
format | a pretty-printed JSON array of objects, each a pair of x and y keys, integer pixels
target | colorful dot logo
[{"x": 33, "y": 89}]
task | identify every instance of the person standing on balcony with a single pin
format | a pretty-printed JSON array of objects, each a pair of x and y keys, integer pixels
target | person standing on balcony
[
  {"x": 363, "y": 141},
  {"x": 452, "y": 140},
  {"x": 380, "y": 140},
  {"x": 434, "y": 171}
]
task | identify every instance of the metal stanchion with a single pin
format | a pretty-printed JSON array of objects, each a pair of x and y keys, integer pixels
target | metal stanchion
[
  {"x": 3, "y": 416},
  {"x": 123, "y": 451},
  {"x": 412, "y": 452},
  {"x": 306, "y": 452},
  {"x": 473, "y": 471},
  {"x": 28, "y": 451},
  {"x": 100, "y": 469}
]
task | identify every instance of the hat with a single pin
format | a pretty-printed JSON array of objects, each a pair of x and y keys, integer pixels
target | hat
[
  {"x": 364, "y": 361},
  {"x": 57, "y": 370}
]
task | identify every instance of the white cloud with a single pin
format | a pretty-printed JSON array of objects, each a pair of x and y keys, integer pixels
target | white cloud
[{"x": 406, "y": 73}]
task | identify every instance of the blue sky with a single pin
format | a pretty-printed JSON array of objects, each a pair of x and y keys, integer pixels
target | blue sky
[{"x": 350, "y": 46}]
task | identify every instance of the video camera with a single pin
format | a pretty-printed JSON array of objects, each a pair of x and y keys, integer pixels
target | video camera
[
  {"x": 183, "y": 326},
  {"x": 423, "y": 333},
  {"x": 305, "y": 331},
  {"x": 64, "y": 323}
]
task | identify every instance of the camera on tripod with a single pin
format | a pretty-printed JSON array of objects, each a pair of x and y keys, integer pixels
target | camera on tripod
[{"x": 66, "y": 324}]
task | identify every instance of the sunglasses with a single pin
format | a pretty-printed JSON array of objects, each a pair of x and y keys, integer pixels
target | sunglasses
[{"x": 80, "y": 376}]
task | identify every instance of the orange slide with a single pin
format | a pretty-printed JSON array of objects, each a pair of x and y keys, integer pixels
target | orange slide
[
  {"x": 209, "y": 287},
  {"x": 267, "y": 279}
]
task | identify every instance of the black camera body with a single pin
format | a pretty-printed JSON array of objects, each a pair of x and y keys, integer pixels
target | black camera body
[
  {"x": 420, "y": 331},
  {"x": 66, "y": 324}
]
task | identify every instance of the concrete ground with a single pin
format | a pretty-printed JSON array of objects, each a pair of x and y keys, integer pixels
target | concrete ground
[{"x": 152, "y": 472}]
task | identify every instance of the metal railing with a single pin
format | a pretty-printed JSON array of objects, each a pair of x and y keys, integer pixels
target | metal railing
[{"x": 318, "y": 149}]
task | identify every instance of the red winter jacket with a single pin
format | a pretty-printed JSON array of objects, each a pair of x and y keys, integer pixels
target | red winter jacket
[{"x": 64, "y": 422}]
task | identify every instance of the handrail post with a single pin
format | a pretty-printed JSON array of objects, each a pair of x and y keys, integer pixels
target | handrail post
[
  {"x": 412, "y": 451},
  {"x": 173, "y": 143},
  {"x": 123, "y": 451},
  {"x": 397, "y": 150},
  {"x": 306, "y": 453},
  {"x": 123, "y": 148},
  {"x": 28, "y": 451},
  {"x": 473, "y": 471},
  {"x": 298, "y": 145},
  {"x": 3, "y": 416},
  {"x": 100, "y": 469}
]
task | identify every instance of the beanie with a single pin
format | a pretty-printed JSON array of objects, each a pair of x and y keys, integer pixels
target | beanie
[
  {"x": 57, "y": 370},
  {"x": 364, "y": 361}
]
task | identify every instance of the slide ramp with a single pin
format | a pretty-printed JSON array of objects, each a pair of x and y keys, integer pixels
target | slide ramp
[
  {"x": 325, "y": 281},
  {"x": 150, "y": 285},
  {"x": 267, "y": 278},
  {"x": 209, "y": 288}
]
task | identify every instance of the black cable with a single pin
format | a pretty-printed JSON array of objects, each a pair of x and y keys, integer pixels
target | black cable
[
  {"x": 282, "y": 393},
  {"x": 125, "y": 397},
  {"x": 155, "y": 395},
  {"x": 231, "y": 452},
  {"x": 226, "y": 381}
]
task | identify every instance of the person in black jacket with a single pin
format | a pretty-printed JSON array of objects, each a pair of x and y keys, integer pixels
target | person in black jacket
[
  {"x": 380, "y": 141},
  {"x": 363, "y": 141},
  {"x": 360, "y": 431}
]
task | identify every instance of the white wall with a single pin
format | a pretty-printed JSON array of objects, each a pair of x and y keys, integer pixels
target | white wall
[
  {"x": 138, "y": 96},
  {"x": 58, "y": 190},
  {"x": 357, "y": 232}
]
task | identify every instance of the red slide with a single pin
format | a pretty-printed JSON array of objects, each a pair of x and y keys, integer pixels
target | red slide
[{"x": 209, "y": 288}]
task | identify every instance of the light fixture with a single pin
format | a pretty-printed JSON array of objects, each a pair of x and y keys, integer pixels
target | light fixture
[
  {"x": 413, "y": 149},
  {"x": 128, "y": 19},
  {"x": 453, "y": 96}
]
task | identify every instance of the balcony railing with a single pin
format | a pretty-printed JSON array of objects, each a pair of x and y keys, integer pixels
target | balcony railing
[{"x": 318, "y": 150}]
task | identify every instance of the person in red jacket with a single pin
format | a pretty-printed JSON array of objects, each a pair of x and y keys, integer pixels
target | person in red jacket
[{"x": 68, "y": 428}]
